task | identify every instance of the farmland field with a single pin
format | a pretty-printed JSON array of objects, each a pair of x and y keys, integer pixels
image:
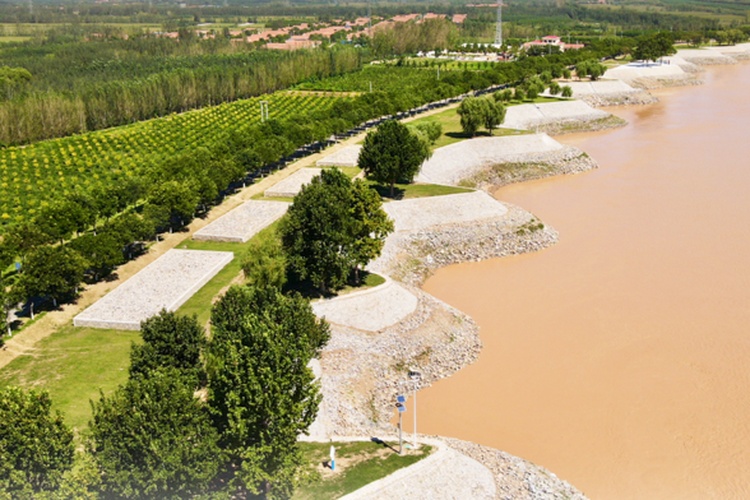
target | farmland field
[{"x": 32, "y": 175}]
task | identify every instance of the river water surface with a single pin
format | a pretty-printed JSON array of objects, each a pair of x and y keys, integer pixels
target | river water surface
[{"x": 620, "y": 357}]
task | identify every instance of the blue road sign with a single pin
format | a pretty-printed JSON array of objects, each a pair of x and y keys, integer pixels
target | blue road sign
[
  {"x": 401, "y": 407},
  {"x": 401, "y": 399}
]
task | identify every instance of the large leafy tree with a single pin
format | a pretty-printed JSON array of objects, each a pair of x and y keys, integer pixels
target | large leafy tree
[
  {"x": 36, "y": 447},
  {"x": 153, "y": 439},
  {"x": 262, "y": 393},
  {"x": 494, "y": 115},
  {"x": 169, "y": 341},
  {"x": 392, "y": 153},
  {"x": 53, "y": 271},
  {"x": 472, "y": 111},
  {"x": 332, "y": 227},
  {"x": 652, "y": 47}
]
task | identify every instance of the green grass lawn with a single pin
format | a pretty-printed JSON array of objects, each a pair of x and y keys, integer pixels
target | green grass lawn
[
  {"x": 200, "y": 303},
  {"x": 73, "y": 364},
  {"x": 451, "y": 123},
  {"x": 357, "y": 464},
  {"x": 406, "y": 191}
]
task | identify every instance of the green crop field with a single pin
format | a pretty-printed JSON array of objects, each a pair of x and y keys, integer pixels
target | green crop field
[{"x": 35, "y": 174}]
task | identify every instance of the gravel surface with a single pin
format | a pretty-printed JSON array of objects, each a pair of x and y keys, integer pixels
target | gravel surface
[
  {"x": 243, "y": 222},
  {"x": 344, "y": 157},
  {"x": 166, "y": 283},
  {"x": 530, "y": 116},
  {"x": 609, "y": 93},
  {"x": 568, "y": 160},
  {"x": 516, "y": 478},
  {"x": 421, "y": 213},
  {"x": 289, "y": 187},
  {"x": 453, "y": 163},
  {"x": 370, "y": 310}
]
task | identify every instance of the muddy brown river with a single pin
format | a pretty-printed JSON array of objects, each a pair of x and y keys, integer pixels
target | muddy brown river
[{"x": 620, "y": 357}]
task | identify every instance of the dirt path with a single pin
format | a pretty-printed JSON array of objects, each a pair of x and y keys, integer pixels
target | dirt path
[{"x": 25, "y": 342}]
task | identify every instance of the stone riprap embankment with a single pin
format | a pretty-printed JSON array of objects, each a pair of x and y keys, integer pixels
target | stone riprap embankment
[
  {"x": 243, "y": 222},
  {"x": 559, "y": 117},
  {"x": 705, "y": 57},
  {"x": 567, "y": 160},
  {"x": 452, "y": 164},
  {"x": 740, "y": 51},
  {"x": 609, "y": 93},
  {"x": 362, "y": 372},
  {"x": 344, "y": 157},
  {"x": 516, "y": 478},
  {"x": 650, "y": 75},
  {"x": 369, "y": 310},
  {"x": 422, "y": 213},
  {"x": 166, "y": 283},
  {"x": 411, "y": 256},
  {"x": 289, "y": 187}
]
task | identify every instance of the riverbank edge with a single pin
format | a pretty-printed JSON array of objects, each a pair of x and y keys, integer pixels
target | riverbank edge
[{"x": 363, "y": 371}]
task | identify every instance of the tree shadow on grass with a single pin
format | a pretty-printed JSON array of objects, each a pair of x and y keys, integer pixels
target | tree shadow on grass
[
  {"x": 308, "y": 290},
  {"x": 385, "y": 191}
]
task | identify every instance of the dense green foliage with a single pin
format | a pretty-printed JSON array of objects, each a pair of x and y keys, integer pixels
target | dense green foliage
[
  {"x": 652, "y": 47},
  {"x": 487, "y": 112},
  {"x": 392, "y": 153},
  {"x": 36, "y": 448},
  {"x": 262, "y": 394},
  {"x": 89, "y": 85},
  {"x": 169, "y": 341},
  {"x": 333, "y": 227},
  {"x": 153, "y": 439}
]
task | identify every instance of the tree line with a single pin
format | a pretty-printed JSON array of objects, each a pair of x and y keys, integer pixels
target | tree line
[
  {"x": 98, "y": 93},
  {"x": 153, "y": 438}
]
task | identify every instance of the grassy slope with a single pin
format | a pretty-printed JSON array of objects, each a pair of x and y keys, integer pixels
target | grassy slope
[
  {"x": 357, "y": 464},
  {"x": 73, "y": 364}
]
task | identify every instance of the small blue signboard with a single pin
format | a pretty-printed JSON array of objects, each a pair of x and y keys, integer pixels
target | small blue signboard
[
  {"x": 401, "y": 399},
  {"x": 18, "y": 266},
  {"x": 401, "y": 407}
]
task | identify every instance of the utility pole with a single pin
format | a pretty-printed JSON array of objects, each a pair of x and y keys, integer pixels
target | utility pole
[{"x": 499, "y": 26}]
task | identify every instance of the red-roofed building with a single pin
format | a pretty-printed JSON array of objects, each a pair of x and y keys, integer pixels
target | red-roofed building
[
  {"x": 459, "y": 18},
  {"x": 405, "y": 18},
  {"x": 293, "y": 45},
  {"x": 553, "y": 41}
]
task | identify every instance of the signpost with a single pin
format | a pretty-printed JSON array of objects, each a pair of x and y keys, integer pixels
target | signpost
[
  {"x": 400, "y": 400},
  {"x": 415, "y": 377}
]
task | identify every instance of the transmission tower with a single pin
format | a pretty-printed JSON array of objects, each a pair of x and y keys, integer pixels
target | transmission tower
[{"x": 499, "y": 26}]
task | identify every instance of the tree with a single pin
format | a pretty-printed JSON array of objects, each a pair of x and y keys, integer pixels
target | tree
[
  {"x": 153, "y": 439},
  {"x": 36, "y": 447},
  {"x": 103, "y": 253},
  {"x": 591, "y": 68},
  {"x": 472, "y": 112},
  {"x": 261, "y": 391},
  {"x": 370, "y": 225},
  {"x": 494, "y": 114},
  {"x": 323, "y": 232},
  {"x": 567, "y": 91},
  {"x": 392, "y": 154},
  {"x": 171, "y": 204},
  {"x": 652, "y": 47},
  {"x": 169, "y": 341},
  {"x": 480, "y": 111},
  {"x": 265, "y": 263},
  {"x": 53, "y": 272}
]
